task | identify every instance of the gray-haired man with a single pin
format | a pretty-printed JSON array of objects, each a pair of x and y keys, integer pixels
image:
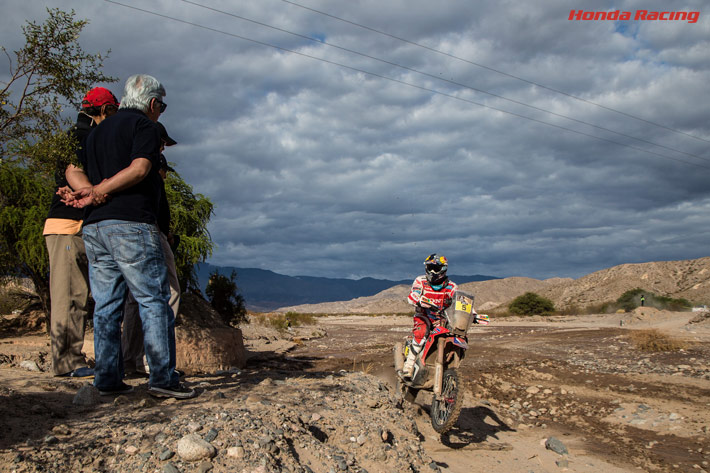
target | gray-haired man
[{"x": 121, "y": 158}]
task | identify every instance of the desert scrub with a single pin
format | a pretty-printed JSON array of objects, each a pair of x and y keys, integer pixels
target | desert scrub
[{"x": 655, "y": 341}]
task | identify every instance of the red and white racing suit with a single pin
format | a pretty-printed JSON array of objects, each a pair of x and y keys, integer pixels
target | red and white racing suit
[{"x": 429, "y": 304}]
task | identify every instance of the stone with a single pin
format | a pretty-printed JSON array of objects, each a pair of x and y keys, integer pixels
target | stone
[
  {"x": 211, "y": 435},
  {"x": 205, "y": 467},
  {"x": 203, "y": 343},
  {"x": 166, "y": 454},
  {"x": 170, "y": 468},
  {"x": 29, "y": 365},
  {"x": 61, "y": 429},
  {"x": 235, "y": 452},
  {"x": 193, "y": 448},
  {"x": 556, "y": 446},
  {"x": 87, "y": 395}
]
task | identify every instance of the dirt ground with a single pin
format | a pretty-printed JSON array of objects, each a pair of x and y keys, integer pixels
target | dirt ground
[{"x": 579, "y": 379}]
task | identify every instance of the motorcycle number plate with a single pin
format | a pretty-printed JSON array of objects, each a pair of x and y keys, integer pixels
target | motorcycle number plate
[{"x": 464, "y": 307}]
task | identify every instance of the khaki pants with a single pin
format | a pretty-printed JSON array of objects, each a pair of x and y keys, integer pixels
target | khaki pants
[
  {"x": 69, "y": 292},
  {"x": 132, "y": 331}
]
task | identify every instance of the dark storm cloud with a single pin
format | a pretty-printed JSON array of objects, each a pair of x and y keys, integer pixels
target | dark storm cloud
[{"x": 318, "y": 169}]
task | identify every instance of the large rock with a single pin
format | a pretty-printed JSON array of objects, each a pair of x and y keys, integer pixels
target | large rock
[
  {"x": 204, "y": 344},
  {"x": 193, "y": 448}
]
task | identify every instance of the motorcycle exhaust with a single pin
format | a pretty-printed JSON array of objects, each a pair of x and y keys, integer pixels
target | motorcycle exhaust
[
  {"x": 439, "y": 371},
  {"x": 398, "y": 356}
]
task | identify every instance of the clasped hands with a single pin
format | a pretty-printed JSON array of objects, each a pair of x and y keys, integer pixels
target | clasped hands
[{"x": 82, "y": 197}]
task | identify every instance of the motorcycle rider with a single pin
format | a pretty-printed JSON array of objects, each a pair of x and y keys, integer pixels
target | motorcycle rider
[{"x": 431, "y": 294}]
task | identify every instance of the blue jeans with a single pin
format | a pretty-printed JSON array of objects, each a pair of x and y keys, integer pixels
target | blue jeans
[{"x": 124, "y": 254}]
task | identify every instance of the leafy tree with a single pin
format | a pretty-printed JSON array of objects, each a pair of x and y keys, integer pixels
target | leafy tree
[
  {"x": 189, "y": 215},
  {"x": 24, "y": 200},
  {"x": 222, "y": 292},
  {"x": 531, "y": 304},
  {"x": 48, "y": 72}
]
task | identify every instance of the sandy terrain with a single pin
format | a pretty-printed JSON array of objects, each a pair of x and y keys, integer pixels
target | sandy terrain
[{"x": 326, "y": 404}]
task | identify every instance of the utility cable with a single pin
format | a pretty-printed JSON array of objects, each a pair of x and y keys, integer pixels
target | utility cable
[
  {"x": 494, "y": 70},
  {"x": 374, "y": 74},
  {"x": 450, "y": 81}
]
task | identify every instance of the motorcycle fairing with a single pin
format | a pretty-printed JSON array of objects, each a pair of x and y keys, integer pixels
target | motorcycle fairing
[
  {"x": 459, "y": 342},
  {"x": 437, "y": 331}
]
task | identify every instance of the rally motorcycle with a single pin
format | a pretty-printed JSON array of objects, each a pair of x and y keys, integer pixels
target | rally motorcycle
[{"x": 435, "y": 368}]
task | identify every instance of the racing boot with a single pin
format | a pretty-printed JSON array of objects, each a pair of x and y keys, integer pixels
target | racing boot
[{"x": 408, "y": 368}]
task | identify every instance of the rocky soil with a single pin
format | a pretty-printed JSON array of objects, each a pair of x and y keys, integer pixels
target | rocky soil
[{"x": 542, "y": 394}]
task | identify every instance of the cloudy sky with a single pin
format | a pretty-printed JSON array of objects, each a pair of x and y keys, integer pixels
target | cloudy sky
[{"x": 354, "y": 138}]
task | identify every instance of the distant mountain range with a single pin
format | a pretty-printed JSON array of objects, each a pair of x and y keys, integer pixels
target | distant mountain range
[
  {"x": 265, "y": 290},
  {"x": 685, "y": 279}
]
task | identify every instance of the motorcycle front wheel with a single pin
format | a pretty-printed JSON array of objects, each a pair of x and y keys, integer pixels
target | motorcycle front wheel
[{"x": 445, "y": 412}]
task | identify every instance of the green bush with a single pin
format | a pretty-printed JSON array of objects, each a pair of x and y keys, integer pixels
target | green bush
[
  {"x": 531, "y": 304},
  {"x": 223, "y": 294}
]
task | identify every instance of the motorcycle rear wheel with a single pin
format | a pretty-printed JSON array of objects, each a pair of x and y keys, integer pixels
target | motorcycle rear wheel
[{"x": 445, "y": 413}]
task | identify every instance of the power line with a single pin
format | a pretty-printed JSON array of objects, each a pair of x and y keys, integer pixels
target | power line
[
  {"x": 494, "y": 70},
  {"x": 450, "y": 81},
  {"x": 374, "y": 74}
]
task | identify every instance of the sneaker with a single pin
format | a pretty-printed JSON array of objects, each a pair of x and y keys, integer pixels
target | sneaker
[
  {"x": 84, "y": 372},
  {"x": 122, "y": 388},
  {"x": 178, "y": 392}
]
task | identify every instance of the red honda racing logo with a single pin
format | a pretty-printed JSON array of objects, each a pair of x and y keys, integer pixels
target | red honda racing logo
[{"x": 638, "y": 15}]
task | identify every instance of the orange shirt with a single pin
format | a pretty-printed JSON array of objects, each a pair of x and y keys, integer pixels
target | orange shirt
[{"x": 61, "y": 226}]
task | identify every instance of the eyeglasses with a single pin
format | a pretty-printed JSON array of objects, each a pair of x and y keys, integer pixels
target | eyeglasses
[{"x": 163, "y": 105}]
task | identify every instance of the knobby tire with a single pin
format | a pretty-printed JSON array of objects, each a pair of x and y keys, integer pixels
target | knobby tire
[{"x": 445, "y": 413}]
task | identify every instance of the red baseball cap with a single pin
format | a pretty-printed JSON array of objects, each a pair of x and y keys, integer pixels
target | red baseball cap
[{"x": 97, "y": 97}]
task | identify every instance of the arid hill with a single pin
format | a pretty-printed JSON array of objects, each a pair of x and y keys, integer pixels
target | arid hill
[{"x": 688, "y": 279}]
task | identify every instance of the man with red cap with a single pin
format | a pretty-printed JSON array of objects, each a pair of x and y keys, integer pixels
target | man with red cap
[{"x": 68, "y": 267}]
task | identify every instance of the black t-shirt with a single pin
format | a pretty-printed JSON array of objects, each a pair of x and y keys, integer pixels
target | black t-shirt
[
  {"x": 164, "y": 214},
  {"x": 58, "y": 209},
  {"x": 111, "y": 147}
]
